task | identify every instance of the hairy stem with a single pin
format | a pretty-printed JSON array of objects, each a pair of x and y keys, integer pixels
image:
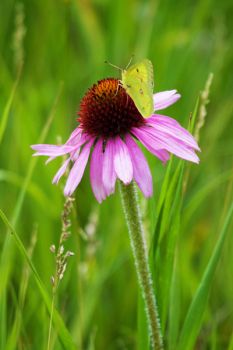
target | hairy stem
[{"x": 138, "y": 244}]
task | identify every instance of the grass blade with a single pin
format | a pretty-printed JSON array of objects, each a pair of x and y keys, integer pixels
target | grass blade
[
  {"x": 6, "y": 260},
  {"x": 5, "y": 265},
  {"x": 194, "y": 116},
  {"x": 195, "y": 313},
  {"x": 174, "y": 307},
  {"x": 168, "y": 245},
  {"x": 13, "y": 335},
  {"x": 7, "y": 108},
  {"x": 64, "y": 334},
  {"x": 203, "y": 192},
  {"x": 230, "y": 347}
]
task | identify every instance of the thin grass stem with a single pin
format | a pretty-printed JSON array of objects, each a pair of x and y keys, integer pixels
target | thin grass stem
[{"x": 51, "y": 322}]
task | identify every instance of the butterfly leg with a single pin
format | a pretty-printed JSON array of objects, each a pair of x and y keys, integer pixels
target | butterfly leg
[
  {"x": 119, "y": 84},
  {"x": 127, "y": 100}
]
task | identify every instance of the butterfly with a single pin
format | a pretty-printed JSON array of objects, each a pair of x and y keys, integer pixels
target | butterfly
[{"x": 138, "y": 81}]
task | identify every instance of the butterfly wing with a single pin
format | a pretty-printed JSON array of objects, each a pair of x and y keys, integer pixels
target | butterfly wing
[
  {"x": 141, "y": 97},
  {"x": 138, "y": 82},
  {"x": 144, "y": 73}
]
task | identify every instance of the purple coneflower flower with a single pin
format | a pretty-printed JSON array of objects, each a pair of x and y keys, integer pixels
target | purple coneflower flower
[{"x": 110, "y": 125}]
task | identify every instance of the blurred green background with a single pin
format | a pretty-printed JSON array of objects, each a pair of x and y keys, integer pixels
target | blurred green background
[{"x": 63, "y": 45}]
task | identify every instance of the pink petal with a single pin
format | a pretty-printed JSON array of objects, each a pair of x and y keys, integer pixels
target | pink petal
[
  {"x": 74, "y": 155},
  {"x": 77, "y": 170},
  {"x": 165, "y": 98},
  {"x": 78, "y": 138},
  {"x": 122, "y": 161},
  {"x": 80, "y": 141},
  {"x": 153, "y": 147},
  {"x": 162, "y": 118},
  {"x": 74, "y": 137},
  {"x": 141, "y": 170},
  {"x": 165, "y": 120},
  {"x": 61, "y": 171},
  {"x": 173, "y": 129},
  {"x": 51, "y": 150},
  {"x": 57, "y": 150},
  {"x": 109, "y": 175},
  {"x": 170, "y": 144},
  {"x": 96, "y": 171}
]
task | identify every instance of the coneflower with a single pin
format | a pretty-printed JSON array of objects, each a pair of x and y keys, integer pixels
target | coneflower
[{"x": 109, "y": 125}]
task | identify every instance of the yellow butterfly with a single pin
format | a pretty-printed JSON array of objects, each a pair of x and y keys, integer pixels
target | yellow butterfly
[{"x": 138, "y": 81}]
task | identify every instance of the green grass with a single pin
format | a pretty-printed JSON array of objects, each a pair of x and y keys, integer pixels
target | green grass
[{"x": 188, "y": 220}]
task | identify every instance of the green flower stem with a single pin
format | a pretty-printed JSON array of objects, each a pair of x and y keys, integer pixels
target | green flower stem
[{"x": 138, "y": 244}]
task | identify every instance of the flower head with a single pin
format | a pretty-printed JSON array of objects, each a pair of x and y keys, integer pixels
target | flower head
[{"x": 109, "y": 126}]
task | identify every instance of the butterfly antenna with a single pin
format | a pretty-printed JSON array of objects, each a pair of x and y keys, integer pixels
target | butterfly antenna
[
  {"x": 113, "y": 65},
  {"x": 132, "y": 56}
]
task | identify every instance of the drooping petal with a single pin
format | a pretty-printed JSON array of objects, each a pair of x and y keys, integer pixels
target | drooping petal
[
  {"x": 165, "y": 120},
  {"x": 169, "y": 143},
  {"x": 96, "y": 171},
  {"x": 109, "y": 175},
  {"x": 57, "y": 150},
  {"x": 61, "y": 171},
  {"x": 141, "y": 170},
  {"x": 122, "y": 161},
  {"x": 74, "y": 155},
  {"x": 165, "y": 98},
  {"x": 172, "y": 129},
  {"x": 51, "y": 150},
  {"x": 77, "y": 170},
  {"x": 153, "y": 147},
  {"x": 78, "y": 139},
  {"x": 74, "y": 137}
]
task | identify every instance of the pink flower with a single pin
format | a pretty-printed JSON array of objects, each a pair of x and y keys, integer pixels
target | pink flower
[{"x": 109, "y": 125}]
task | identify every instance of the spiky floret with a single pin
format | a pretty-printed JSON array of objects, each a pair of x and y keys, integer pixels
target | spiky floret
[{"x": 107, "y": 110}]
